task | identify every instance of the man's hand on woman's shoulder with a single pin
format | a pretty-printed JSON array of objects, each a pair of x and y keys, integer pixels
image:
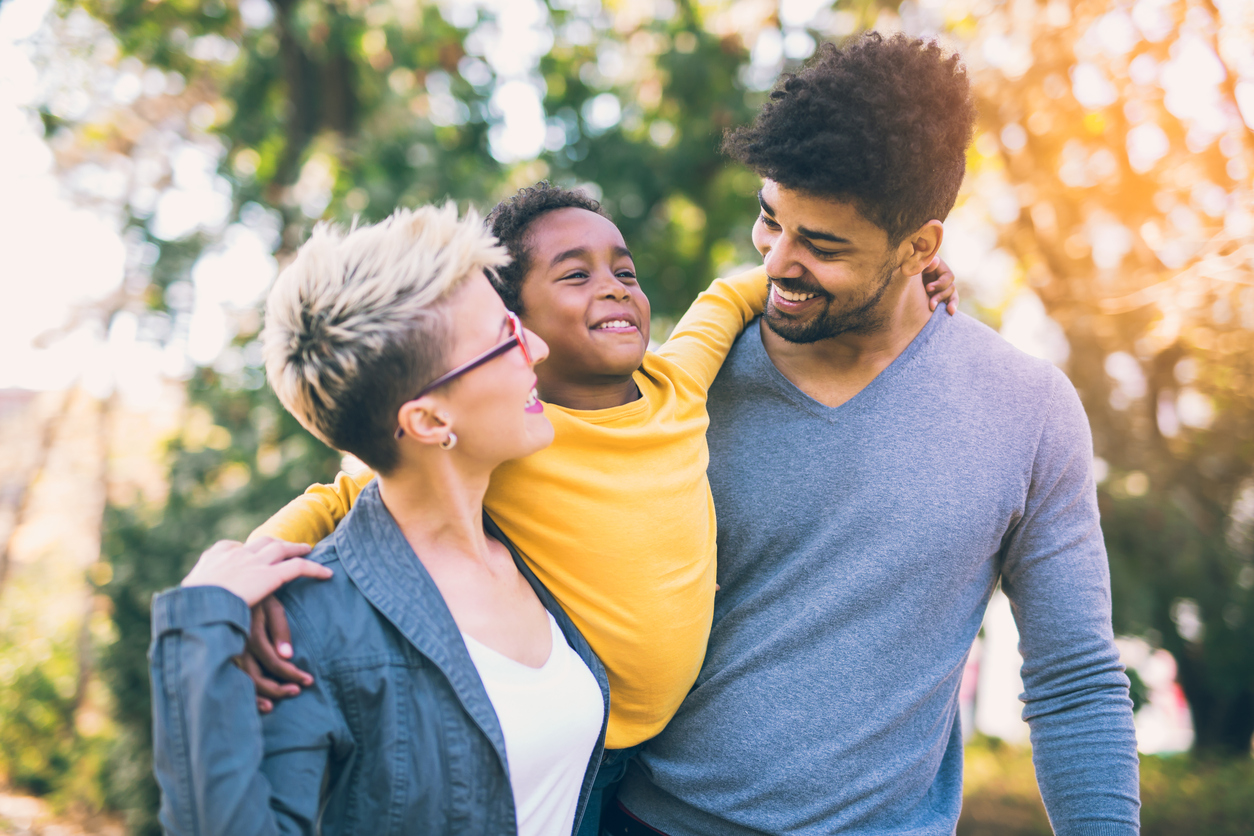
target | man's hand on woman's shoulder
[{"x": 253, "y": 571}]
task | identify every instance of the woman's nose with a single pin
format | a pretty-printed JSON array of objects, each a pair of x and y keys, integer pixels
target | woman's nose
[{"x": 538, "y": 348}]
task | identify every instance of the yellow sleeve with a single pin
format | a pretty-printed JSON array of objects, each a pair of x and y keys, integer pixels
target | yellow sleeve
[
  {"x": 700, "y": 342},
  {"x": 314, "y": 514}
]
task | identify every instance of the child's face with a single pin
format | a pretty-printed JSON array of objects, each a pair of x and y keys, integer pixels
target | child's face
[{"x": 582, "y": 298}]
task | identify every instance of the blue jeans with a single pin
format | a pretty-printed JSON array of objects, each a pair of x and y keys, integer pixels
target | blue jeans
[{"x": 605, "y": 787}]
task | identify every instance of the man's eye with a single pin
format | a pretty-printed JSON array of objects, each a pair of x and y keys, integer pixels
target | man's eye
[
  {"x": 823, "y": 253},
  {"x": 769, "y": 223}
]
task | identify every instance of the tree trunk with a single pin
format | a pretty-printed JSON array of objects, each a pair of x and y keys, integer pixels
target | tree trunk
[
  {"x": 1223, "y": 723},
  {"x": 47, "y": 439}
]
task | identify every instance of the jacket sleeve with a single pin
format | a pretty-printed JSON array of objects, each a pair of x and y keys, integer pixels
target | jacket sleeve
[
  {"x": 211, "y": 761},
  {"x": 700, "y": 342},
  {"x": 312, "y": 516},
  {"x": 1056, "y": 574}
]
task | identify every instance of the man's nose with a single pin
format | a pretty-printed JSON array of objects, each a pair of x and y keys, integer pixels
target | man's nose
[{"x": 778, "y": 260}]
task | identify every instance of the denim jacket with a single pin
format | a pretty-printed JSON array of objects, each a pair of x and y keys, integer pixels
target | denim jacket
[{"x": 396, "y": 735}]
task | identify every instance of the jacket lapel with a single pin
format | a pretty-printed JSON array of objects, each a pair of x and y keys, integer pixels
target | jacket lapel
[{"x": 382, "y": 565}]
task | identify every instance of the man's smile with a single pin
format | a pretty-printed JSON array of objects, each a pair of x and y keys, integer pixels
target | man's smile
[{"x": 789, "y": 301}]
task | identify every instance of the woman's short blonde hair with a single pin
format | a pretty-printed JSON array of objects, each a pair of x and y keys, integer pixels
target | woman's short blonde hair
[{"x": 354, "y": 325}]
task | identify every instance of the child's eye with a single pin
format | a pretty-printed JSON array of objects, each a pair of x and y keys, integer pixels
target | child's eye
[
  {"x": 626, "y": 274},
  {"x": 576, "y": 274}
]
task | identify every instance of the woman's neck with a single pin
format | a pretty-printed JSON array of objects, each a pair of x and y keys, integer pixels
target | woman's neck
[
  {"x": 588, "y": 395},
  {"x": 438, "y": 507}
]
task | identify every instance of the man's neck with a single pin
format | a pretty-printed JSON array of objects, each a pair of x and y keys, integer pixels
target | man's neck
[
  {"x": 588, "y": 395},
  {"x": 836, "y": 369}
]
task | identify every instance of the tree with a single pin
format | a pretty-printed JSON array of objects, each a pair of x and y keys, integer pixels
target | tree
[{"x": 1115, "y": 136}]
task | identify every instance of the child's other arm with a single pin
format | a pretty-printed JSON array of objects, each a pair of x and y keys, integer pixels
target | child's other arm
[
  {"x": 700, "y": 342},
  {"x": 313, "y": 515}
]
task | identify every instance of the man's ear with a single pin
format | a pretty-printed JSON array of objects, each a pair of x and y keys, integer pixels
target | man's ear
[
  {"x": 424, "y": 420},
  {"x": 920, "y": 247}
]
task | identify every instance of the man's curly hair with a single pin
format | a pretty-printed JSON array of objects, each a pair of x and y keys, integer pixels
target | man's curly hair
[
  {"x": 883, "y": 123},
  {"x": 509, "y": 221}
]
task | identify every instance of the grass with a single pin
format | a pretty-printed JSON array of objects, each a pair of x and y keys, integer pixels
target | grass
[{"x": 1180, "y": 794}]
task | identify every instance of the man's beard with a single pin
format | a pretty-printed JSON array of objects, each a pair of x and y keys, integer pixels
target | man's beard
[{"x": 858, "y": 317}]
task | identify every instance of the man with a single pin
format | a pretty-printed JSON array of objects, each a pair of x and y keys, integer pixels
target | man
[{"x": 828, "y": 700}]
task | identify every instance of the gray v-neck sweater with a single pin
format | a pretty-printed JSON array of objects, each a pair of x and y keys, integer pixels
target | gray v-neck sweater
[{"x": 857, "y": 550}]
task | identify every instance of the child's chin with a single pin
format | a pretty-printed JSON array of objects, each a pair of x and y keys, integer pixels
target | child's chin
[{"x": 624, "y": 366}]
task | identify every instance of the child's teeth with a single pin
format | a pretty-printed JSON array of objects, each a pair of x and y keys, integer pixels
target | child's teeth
[{"x": 617, "y": 323}]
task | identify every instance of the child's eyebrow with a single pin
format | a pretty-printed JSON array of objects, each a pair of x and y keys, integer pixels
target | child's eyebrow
[{"x": 583, "y": 252}]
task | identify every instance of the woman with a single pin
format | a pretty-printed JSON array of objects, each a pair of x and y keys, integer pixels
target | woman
[{"x": 451, "y": 694}]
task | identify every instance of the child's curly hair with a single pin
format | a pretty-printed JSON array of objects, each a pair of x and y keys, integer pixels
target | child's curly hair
[
  {"x": 883, "y": 123},
  {"x": 509, "y": 221}
]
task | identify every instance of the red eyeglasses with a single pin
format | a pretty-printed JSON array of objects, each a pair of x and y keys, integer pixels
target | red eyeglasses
[{"x": 517, "y": 337}]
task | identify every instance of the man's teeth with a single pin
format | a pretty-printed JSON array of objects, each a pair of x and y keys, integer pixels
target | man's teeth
[
  {"x": 614, "y": 323},
  {"x": 793, "y": 297}
]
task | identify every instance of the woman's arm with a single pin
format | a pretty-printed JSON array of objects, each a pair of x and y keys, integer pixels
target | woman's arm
[{"x": 209, "y": 756}]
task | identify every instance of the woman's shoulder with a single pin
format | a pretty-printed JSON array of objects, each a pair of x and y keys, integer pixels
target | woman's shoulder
[{"x": 333, "y": 615}]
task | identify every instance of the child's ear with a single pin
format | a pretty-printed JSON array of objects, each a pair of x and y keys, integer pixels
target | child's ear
[
  {"x": 920, "y": 247},
  {"x": 424, "y": 420}
]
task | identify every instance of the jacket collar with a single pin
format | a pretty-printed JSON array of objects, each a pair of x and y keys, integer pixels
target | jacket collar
[{"x": 383, "y": 566}]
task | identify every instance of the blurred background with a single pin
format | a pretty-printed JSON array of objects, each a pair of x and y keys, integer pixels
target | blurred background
[{"x": 161, "y": 159}]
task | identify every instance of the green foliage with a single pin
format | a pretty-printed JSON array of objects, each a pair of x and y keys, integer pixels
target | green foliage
[
  {"x": 240, "y": 457},
  {"x": 684, "y": 211},
  {"x": 1180, "y": 583},
  {"x": 1179, "y": 794},
  {"x": 1160, "y": 336},
  {"x": 37, "y": 738},
  {"x": 1204, "y": 797},
  {"x": 42, "y": 750}
]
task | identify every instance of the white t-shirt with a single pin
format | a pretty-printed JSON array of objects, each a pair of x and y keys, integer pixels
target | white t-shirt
[{"x": 551, "y": 718}]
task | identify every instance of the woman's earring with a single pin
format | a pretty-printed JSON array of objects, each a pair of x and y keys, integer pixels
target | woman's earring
[{"x": 450, "y": 442}]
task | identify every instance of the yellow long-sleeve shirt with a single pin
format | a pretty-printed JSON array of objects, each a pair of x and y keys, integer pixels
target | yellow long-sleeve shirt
[{"x": 616, "y": 516}]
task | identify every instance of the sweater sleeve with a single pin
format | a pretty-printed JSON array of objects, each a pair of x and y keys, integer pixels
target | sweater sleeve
[
  {"x": 312, "y": 516},
  {"x": 1075, "y": 696},
  {"x": 218, "y": 776},
  {"x": 700, "y": 342}
]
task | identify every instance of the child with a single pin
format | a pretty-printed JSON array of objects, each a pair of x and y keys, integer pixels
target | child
[{"x": 616, "y": 517}]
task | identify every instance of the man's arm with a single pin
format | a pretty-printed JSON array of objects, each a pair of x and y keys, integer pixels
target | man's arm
[
  {"x": 1057, "y": 577},
  {"x": 209, "y": 756}
]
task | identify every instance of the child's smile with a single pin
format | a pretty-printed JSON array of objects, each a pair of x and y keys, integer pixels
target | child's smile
[{"x": 582, "y": 298}]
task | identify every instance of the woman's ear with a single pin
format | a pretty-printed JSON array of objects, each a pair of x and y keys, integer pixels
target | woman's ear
[
  {"x": 424, "y": 420},
  {"x": 923, "y": 245}
]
